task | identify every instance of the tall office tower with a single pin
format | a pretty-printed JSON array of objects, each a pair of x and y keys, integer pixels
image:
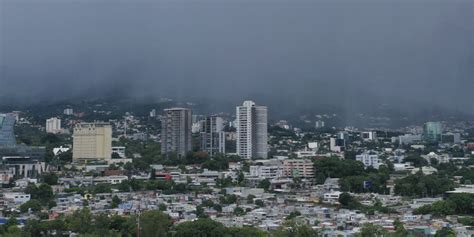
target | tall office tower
[
  {"x": 176, "y": 127},
  {"x": 92, "y": 142},
  {"x": 53, "y": 125},
  {"x": 213, "y": 136},
  {"x": 432, "y": 131},
  {"x": 7, "y": 137},
  {"x": 251, "y": 124}
]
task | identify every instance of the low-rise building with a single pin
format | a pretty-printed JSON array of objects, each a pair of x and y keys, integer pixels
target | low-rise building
[
  {"x": 369, "y": 160},
  {"x": 298, "y": 168}
]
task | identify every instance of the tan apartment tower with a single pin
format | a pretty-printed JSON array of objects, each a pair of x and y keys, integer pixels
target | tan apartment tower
[{"x": 92, "y": 142}]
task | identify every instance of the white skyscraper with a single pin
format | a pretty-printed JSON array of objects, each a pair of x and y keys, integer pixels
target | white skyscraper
[
  {"x": 53, "y": 125},
  {"x": 251, "y": 122}
]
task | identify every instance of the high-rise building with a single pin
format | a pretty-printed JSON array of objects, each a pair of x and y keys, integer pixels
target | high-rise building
[
  {"x": 7, "y": 137},
  {"x": 68, "y": 111},
  {"x": 213, "y": 136},
  {"x": 320, "y": 124},
  {"x": 251, "y": 124},
  {"x": 53, "y": 125},
  {"x": 18, "y": 159},
  {"x": 176, "y": 127},
  {"x": 92, "y": 142},
  {"x": 432, "y": 131},
  {"x": 153, "y": 113},
  {"x": 337, "y": 144}
]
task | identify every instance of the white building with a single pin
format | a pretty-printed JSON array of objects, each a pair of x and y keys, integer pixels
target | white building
[
  {"x": 336, "y": 144},
  {"x": 251, "y": 130},
  {"x": 332, "y": 197},
  {"x": 266, "y": 171},
  {"x": 305, "y": 154},
  {"x": 53, "y": 125},
  {"x": 320, "y": 124},
  {"x": 407, "y": 139},
  {"x": 68, "y": 111},
  {"x": 17, "y": 198},
  {"x": 369, "y": 136},
  {"x": 403, "y": 167},
  {"x": 369, "y": 160},
  {"x": 119, "y": 150},
  {"x": 59, "y": 150}
]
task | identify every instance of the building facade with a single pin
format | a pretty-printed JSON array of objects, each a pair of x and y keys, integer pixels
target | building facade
[
  {"x": 432, "y": 131},
  {"x": 298, "y": 168},
  {"x": 7, "y": 137},
  {"x": 176, "y": 127},
  {"x": 369, "y": 160},
  {"x": 251, "y": 122},
  {"x": 92, "y": 142},
  {"x": 213, "y": 136},
  {"x": 53, "y": 125}
]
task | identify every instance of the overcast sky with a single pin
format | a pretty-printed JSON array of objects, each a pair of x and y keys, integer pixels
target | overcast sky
[{"x": 354, "y": 53}]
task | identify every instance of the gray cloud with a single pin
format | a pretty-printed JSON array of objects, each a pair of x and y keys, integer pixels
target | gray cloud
[{"x": 352, "y": 54}]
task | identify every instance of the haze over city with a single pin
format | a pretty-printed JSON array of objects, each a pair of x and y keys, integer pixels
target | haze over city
[
  {"x": 236, "y": 118},
  {"x": 354, "y": 55}
]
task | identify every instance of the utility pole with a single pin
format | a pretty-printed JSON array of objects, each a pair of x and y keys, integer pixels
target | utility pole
[{"x": 138, "y": 222}]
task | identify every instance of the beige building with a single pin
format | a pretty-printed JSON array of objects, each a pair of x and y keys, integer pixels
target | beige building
[
  {"x": 92, "y": 141},
  {"x": 298, "y": 168}
]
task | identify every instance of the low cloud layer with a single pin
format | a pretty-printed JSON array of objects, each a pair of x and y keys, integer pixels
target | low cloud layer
[{"x": 350, "y": 54}]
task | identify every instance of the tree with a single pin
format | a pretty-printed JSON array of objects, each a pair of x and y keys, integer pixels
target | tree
[
  {"x": 162, "y": 207},
  {"x": 345, "y": 199},
  {"x": 455, "y": 204},
  {"x": 33, "y": 205},
  {"x": 259, "y": 203},
  {"x": 238, "y": 211},
  {"x": 443, "y": 208},
  {"x": 50, "y": 178},
  {"x": 43, "y": 193},
  {"x": 246, "y": 232},
  {"x": 400, "y": 230},
  {"x": 115, "y": 202},
  {"x": 200, "y": 212},
  {"x": 250, "y": 198},
  {"x": 419, "y": 185},
  {"x": 336, "y": 168},
  {"x": 228, "y": 199},
  {"x": 200, "y": 227},
  {"x": 265, "y": 184},
  {"x": 154, "y": 224},
  {"x": 371, "y": 230},
  {"x": 293, "y": 214},
  {"x": 349, "y": 202},
  {"x": 240, "y": 178},
  {"x": 80, "y": 221},
  {"x": 445, "y": 232},
  {"x": 416, "y": 160},
  {"x": 292, "y": 228},
  {"x": 217, "y": 207}
]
